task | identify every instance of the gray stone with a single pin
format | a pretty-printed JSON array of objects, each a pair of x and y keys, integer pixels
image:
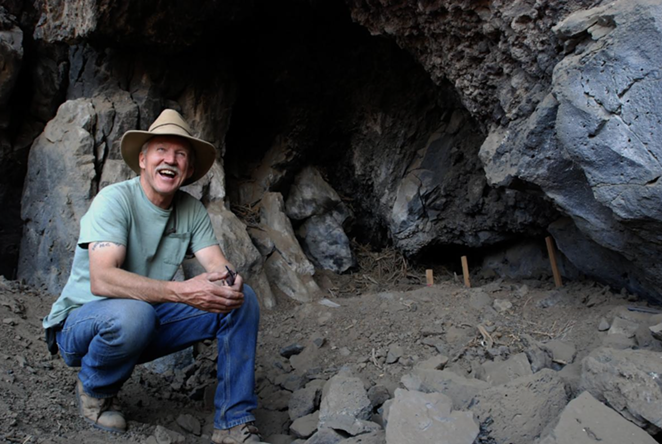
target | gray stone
[
  {"x": 656, "y": 331},
  {"x": 305, "y": 426},
  {"x": 310, "y": 195},
  {"x": 436, "y": 342},
  {"x": 521, "y": 409},
  {"x": 53, "y": 203},
  {"x": 628, "y": 381},
  {"x": 645, "y": 339},
  {"x": 478, "y": 299},
  {"x": 291, "y": 350},
  {"x": 394, "y": 353},
  {"x": 378, "y": 395},
  {"x": 502, "y": 305},
  {"x": 304, "y": 401},
  {"x": 325, "y": 436},
  {"x": 378, "y": 437},
  {"x": 115, "y": 170},
  {"x": 190, "y": 424},
  {"x": 269, "y": 174},
  {"x": 585, "y": 420},
  {"x": 434, "y": 363},
  {"x": 571, "y": 375},
  {"x": 261, "y": 241},
  {"x": 619, "y": 342},
  {"x": 461, "y": 390},
  {"x": 291, "y": 381},
  {"x": 287, "y": 268},
  {"x": 345, "y": 405},
  {"x": 240, "y": 251},
  {"x": 603, "y": 325},
  {"x": 623, "y": 327},
  {"x": 562, "y": 352},
  {"x": 326, "y": 244},
  {"x": 590, "y": 145},
  {"x": 538, "y": 356},
  {"x": 427, "y": 418},
  {"x": 166, "y": 436},
  {"x": 501, "y": 372},
  {"x": 272, "y": 422},
  {"x": 276, "y": 400}
]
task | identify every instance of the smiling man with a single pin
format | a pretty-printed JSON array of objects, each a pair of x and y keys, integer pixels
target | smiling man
[{"x": 120, "y": 306}]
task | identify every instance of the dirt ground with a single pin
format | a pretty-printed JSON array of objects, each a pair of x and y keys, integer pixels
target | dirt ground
[{"x": 373, "y": 316}]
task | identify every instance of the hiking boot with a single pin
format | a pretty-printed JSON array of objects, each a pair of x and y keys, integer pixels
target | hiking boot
[
  {"x": 103, "y": 413},
  {"x": 237, "y": 434}
]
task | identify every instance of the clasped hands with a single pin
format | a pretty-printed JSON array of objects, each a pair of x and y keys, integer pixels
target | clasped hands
[{"x": 210, "y": 292}]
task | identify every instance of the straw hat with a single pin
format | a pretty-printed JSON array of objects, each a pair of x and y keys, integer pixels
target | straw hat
[{"x": 169, "y": 123}]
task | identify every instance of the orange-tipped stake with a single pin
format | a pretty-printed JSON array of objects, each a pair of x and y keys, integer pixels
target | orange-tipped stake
[
  {"x": 552, "y": 259},
  {"x": 429, "y": 277},
  {"x": 465, "y": 272}
]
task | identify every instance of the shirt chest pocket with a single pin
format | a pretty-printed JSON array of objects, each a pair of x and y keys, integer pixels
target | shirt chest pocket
[{"x": 173, "y": 248}]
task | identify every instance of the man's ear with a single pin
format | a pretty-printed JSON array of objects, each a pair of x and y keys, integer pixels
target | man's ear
[
  {"x": 190, "y": 170},
  {"x": 141, "y": 160}
]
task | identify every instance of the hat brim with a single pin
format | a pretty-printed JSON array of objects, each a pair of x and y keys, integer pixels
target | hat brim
[{"x": 133, "y": 141}]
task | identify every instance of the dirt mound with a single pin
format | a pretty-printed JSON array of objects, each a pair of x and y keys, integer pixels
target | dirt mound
[{"x": 377, "y": 337}]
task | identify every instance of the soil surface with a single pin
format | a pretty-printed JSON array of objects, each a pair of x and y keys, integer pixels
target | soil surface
[{"x": 379, "y": 333}]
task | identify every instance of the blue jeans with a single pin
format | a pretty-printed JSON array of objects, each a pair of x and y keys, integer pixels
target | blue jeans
[{"x": 107, "y": 338}]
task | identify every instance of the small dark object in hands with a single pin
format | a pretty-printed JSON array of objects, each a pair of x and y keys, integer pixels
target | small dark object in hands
[{"x": 231, "y": 276}]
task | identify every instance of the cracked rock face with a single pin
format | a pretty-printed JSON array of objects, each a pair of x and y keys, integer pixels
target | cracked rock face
[
  {"x": 439, "y": 123},
  {"x": 593, "y": 145}
]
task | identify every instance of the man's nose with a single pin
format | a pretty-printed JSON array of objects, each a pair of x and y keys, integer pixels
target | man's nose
[{"x": 169, "y": 157}]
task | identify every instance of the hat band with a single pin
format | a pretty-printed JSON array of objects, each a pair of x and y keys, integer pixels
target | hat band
[{"x": 151, "y": 130}]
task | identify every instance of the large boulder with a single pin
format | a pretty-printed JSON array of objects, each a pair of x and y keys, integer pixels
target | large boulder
[
  {"x": 628, "y": 381},
  {"x": 592, "y": 144},
  {"x": 240, "y": 251},
  {"x": 66, "y": 167},
  {"x": 444, "y": 197},
  {"x": 322, "y": 235},
  {"x": 461, "y": 390},
  {"x": 345, "y": 406},
  {"x": 517, "y": 412},
  {"x": 58, "y": 190},
  {"x": 287, "y": 268},
  {"x": 585, "y": 420},
  {"x": 423, "y": 418}
]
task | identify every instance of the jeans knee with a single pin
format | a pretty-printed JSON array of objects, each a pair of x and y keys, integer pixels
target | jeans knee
[
  {"x": 133, "y": 324},
  {"x": 251, "y": 304}
]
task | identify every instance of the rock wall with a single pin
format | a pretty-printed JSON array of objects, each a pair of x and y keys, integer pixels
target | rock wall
[
  {"x": 437, "y": 124},
  {"x": 569, "y": 105}
]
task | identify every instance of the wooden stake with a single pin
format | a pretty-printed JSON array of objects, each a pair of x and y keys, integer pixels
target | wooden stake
[
  {"x": 430, "y": 277},
  {"x": 465, "y": 272},
  {"x": 552, "y": 259}
]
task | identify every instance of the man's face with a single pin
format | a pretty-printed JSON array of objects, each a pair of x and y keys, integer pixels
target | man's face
[{"x": 165, "y": 165}]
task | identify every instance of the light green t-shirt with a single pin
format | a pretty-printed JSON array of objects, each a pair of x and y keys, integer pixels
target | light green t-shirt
[{"x": 156, "y": 240}]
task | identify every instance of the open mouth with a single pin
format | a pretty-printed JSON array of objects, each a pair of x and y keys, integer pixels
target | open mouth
[{"x": 169, "y": 174}]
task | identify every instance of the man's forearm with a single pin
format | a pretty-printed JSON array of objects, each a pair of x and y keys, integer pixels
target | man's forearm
[{"x": 119, "y": 283}]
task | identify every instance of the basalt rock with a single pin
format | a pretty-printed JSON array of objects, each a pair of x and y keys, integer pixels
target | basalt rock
[
  {"x": 462, "y": 125},
  {"x": 54, "y": 202}
]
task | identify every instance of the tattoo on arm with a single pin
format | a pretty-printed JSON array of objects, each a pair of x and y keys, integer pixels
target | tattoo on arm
[{"x": 104, "y": 244}]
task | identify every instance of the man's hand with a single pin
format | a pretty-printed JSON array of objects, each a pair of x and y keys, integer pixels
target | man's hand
[{"x": 209, "y": 292}]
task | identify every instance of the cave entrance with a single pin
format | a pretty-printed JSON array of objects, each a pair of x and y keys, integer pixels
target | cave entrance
[{"x": 314, "y": 88}]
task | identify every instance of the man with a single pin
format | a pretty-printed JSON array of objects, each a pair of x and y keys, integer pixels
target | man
[{"x": 120, "y": 306}]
